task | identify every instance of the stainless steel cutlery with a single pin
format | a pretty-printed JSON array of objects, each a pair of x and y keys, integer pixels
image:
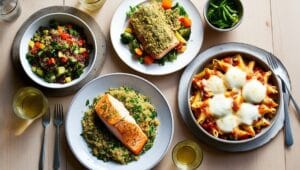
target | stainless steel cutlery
[
  {"x": 286, "y": 95},
  {"x": 275, "y": 63},
  {"x": 58, "y": 121},
  {"x": 45, "y": 123}
]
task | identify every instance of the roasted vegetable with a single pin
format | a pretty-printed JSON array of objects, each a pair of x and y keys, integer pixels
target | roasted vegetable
[
  {"x": 182, "y": 11},
  {"x": 131, "y": 10},
  {"x": 133, "y": 45},
  {"x": 166, "y": 4},
  {"x": 186, "y": 22},
  {"x": 126, "y": 37},
  {"x": 185, "y": 33}
]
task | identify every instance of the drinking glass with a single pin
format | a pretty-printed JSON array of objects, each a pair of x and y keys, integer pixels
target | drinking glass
[
  {"x": 29, "y": 103},
  {"x": 9, "y": 9},
  {"x": 92, "y": 4},
  {"x": 187, "y": 155}
]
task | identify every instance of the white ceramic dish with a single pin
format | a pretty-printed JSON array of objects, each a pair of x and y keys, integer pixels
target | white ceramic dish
[
  {"x": 189, "y": 119},
  {"x": 100, "y": 85},
  {"x": 240, "y": 8},
  {"x": 44, "y": 21},
  {"x": 120, "y": 22},
  {"x": 248, "y": 57}
]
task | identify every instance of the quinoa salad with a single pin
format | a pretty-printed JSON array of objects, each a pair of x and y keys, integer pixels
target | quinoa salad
[{"x": 103, "y": 144}]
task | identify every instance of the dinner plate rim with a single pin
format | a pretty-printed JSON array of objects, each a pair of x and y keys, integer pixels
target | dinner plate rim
[
  {"x": 161, "y": 72},
  {"x": 121, "y": 74}
]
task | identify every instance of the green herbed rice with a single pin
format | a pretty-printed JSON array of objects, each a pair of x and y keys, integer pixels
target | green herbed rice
[{"x": 103, "y": 144}]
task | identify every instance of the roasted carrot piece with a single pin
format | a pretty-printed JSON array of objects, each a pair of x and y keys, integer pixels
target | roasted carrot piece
[
  {"x": 138, "y": 51},
  {"x": 166, "y": 4},
  {"x": 148, "y": 60},
  {"x": 186, "y": 22}
]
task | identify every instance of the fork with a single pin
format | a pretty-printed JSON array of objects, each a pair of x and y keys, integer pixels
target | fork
[
  {"x": 287, "y": 125},
  {"x": 58, "y": 121},
  {"x": 289, "y": 92},
  {"x": 45, "y": 123}
]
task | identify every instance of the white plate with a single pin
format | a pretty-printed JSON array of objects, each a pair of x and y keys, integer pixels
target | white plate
[
  {"x": 120, "y": 22},
  {"x": 98, "y": 86}
]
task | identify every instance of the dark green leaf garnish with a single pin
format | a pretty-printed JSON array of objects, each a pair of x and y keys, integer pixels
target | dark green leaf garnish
[
  {"x": 87, "y": 102},
  {"x": 223, "y": 13}
]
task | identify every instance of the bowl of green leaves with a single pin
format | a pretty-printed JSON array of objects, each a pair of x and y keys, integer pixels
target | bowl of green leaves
[{"x": 223, "y": 15}]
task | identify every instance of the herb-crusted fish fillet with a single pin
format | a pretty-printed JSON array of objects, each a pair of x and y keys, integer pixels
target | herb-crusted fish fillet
[
  {"x": 118, "y": 120},
  {"x": 150, "y": 25}
]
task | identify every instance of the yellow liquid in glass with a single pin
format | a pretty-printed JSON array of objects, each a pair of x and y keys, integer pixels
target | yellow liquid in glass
[
  {"x": 186, "y": 155},
  {"x": 29, "y": 104},
  {"x": 92, "y": 4}
]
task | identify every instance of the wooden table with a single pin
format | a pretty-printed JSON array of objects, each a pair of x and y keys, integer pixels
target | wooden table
[{"x": 269, "y": 24}]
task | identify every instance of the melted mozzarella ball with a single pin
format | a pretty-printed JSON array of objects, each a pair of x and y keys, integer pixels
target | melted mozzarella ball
[
  {"x": 215, "y": 85},
  {"x": 228, "y": 123},
  {"x": 220, "y": 106},
  {"x": 254, "y": 91},
  {"x": 248, "y": 113},
  {"x": 235, "y": 77}
]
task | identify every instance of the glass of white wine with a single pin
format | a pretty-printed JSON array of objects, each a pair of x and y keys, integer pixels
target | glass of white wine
[
  {"x": 92, "y": 4},
  {"x": 187, "y": 155},
  {"x": 29, "y": 103}
]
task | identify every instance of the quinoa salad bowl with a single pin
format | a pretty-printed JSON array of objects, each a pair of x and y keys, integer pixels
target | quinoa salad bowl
[{"x": 58, "y": 50}]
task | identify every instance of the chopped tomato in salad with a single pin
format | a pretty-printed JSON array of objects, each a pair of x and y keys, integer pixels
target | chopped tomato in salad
[{"x": 58, "y": 53}]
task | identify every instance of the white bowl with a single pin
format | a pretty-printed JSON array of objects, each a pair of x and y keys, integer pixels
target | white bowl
[
  {"x": 260, "y": 63},
  {"x": 240, "y": 9},
  {"x": 44, "y": 21}
]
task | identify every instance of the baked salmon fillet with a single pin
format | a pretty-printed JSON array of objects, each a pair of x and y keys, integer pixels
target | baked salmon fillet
[
  {"x": 151, "y": 28},
  {"x": 118, "y": 120}
]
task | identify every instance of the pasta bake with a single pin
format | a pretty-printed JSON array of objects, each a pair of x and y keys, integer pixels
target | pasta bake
[{"x": 233, "y": 98}]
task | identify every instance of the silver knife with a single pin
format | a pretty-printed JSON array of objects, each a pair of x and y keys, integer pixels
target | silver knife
[{"x": 287, "y": 124}]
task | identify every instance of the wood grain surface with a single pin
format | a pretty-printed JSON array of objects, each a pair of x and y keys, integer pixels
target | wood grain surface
[{"x": 270, "y": 24}]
